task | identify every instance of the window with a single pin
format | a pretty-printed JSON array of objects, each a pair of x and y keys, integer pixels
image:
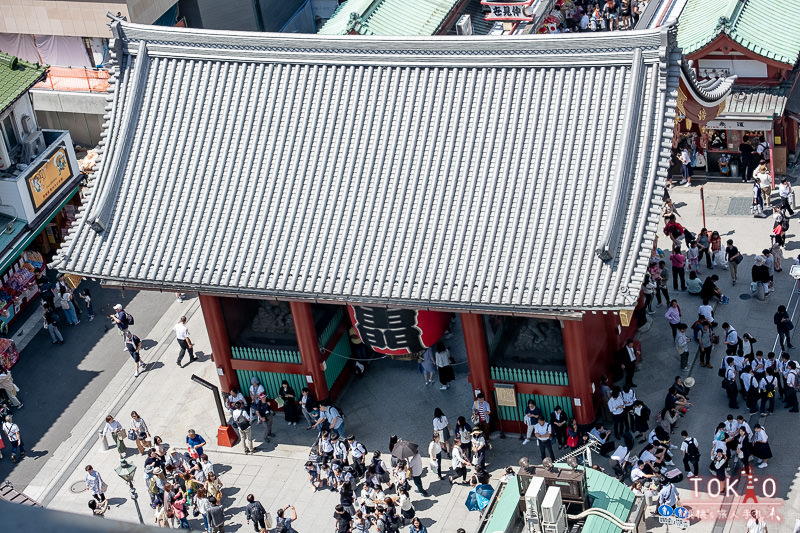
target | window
[{"x": 8, "y": 130}]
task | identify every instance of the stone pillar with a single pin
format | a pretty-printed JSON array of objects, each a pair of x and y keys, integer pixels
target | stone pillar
[
  {"x": 220, "y": 344},
  {"x": 309, "y": 349},
  {"x": 580, "y": 381}
]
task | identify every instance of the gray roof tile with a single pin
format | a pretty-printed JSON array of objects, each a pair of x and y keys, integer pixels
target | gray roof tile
[{"x": 450, "y": 173}]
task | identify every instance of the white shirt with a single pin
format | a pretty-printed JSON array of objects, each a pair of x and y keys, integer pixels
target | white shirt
[
  {"x": 707, "y": 311},
  {"x": 648, "y": 457},
  {"x": 181, "y": 331},
  {"x": 731, "y": 427},
  {"x": 113, "y": 427},
  {"x": 636, "y": 473},
  {"x": 628, "y": 398},
  {"x": 540, "y": 430},
  {"x": 784, "y": 190},
  {"x": 746, "y": 427},
  {"x": 616, "y": 405},
  {"x": 439, "y": 423},
  {"x": 761, "y": 436},
  {"x": 94, "y": 483},
  {"x": 685, "y": 444},
  {"x": 12, "y": 431}
]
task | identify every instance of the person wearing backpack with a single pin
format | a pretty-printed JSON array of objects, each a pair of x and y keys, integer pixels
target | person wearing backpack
[
  {"x": 768, "y": 387},
  {"x": 358, "y": 452},
  {"x": 255, "y": 512},
  {"x": 284, "y": 523},
  {"x": 244, "y": 423},
  {"x": 691, "y": 454},
  {"x": 121, "y": 318}
]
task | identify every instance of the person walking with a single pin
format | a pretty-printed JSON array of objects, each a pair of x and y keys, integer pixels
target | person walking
[
  {"x": 265, "y": 415},
  {"x": 216, "y": 515},
  {"x": 15, "y": 438},
  {"x": 733, "y": 257},
  {"x": 760, "y": 275},
  {"x": 678, "y": 261},
  {"x": 87, "y": 299},
  {"x": 307, "y": 405},
  {"x": 785, "y": 190},
  {"x": 182, "y": 336},
  {"x": 458, "y": 461},
  {"x": 661, "y": 283},
  {"x": 706, "y": 341},
  {"x": 648, "y": 289},
  {"x": 691, "y": 454},
  {"x": 140, "y": 431},
  {"x": 95, "y": 484},
  {"x": 558, "y": 421},
  {"x": 673, "y": 316},
  {"x": 704, "y": 247},
  {"x": 7, "y": 385},
  {"x": 435, "y": 455},
  {"x": 682, "y": 345},
  {"x": 117, "y": 434},
  {"x": 444, "y": 363},
  {"x": 784, "y": 326},
  {"x": 442, "y": 426},
  {"x": 51, "y": 324},
  {"x": 133, "y": 345},
  {"x": 290, "y": 414},
  {"x": 121, "y": 318},
  {"x": 244, "y": 423},
  {"x": 256, "y": 512},
  {"x": 427, "y": 365},
  {"x": 790, "y": 391},
  {"x": 731, "y": 339},
  {"x": 761, "y": 449}
]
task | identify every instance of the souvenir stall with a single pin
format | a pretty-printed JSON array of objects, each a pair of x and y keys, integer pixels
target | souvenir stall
[{"x": 19, "y": 289}]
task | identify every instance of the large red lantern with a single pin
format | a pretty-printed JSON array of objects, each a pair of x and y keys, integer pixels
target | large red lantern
[{"x": 398, "y": 331}]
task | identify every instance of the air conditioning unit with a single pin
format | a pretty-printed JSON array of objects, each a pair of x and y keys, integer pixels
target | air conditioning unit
[
  {"x": 534, "y": 495},
  {"x": 464, "y": 25},
  {"x": 32, "y": 145},
  {"x": 551, "y": 505}
]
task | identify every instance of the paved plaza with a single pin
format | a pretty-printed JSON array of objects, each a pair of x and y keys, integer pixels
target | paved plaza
[{"x": 392, "y": 398}]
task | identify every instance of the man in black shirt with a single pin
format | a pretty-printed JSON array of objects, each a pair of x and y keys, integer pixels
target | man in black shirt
[{"x": 747, "y": 158}]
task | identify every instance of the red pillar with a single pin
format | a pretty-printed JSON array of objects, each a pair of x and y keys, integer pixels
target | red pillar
[
  {"x": 477, "y": 355},
  {"x": 220, "y": 344},
  {"x": 309, "y": 348},
  {"x": 580, "y": 380}
]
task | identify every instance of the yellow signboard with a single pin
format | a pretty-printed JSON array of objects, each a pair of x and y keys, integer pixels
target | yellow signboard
[{"x": 49, "y": 177}]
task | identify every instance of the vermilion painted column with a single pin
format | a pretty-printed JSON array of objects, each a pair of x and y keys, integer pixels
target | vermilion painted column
[
  {"x": 477, "y": 355},
  {"x": 220, "y": 344},
  {"x": 309, "y": 348},
  {"x": 578, "y": 370}
]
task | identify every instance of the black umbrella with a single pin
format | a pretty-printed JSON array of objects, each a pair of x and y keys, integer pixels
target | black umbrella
[{"x": 405, "y": 449}]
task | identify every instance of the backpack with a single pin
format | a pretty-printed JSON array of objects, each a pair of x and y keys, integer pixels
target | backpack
[
  {"x": 692, "y": 450},
  {"x": 765, "y": 153},
  {"x": 129, "y": 318},
  {"x": 769, "y": 388},
  {"x": 282, "y": 526}
]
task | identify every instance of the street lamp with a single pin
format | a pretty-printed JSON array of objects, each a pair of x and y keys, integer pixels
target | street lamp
[{"x": 126, "y": 472}]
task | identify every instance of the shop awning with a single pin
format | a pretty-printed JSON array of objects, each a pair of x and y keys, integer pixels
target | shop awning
[
  {"x": 15, "y": 246},
  {"x": 752, "y": 108}
]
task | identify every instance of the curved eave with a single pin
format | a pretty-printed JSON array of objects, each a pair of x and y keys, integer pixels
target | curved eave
[{"x": 709, "y": 93}]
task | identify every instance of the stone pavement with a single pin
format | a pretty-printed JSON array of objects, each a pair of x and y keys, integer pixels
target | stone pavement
[
  {"x": 727, "y": 211},
  {"x": 391, "y": 398}
]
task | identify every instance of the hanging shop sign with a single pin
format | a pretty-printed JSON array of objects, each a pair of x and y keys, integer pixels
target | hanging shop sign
[
  {"x": 509, "y": 11},
  {"x": 398, "y": 331},
  {"x": 48, "y": 177},
  {"x": 723, "y": 124}
]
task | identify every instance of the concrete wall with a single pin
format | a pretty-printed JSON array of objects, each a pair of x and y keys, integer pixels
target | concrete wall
[
  {"x": 59, "y": 17},
  {"x": 147, "y": 11},
  {"x": 84, "y": 128}
]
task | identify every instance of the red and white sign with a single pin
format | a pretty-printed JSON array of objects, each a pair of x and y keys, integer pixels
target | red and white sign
[{"x": 509, "y": 11}]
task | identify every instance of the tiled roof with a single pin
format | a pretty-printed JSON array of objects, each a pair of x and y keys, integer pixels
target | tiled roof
[
  {"x": 751, "y": 23},
  {"x": 756, "y": 102},
  {"x": 14, "y": 82},
  {"x": 517, "y": 174},
  {"x": 389, "y": 17}
]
